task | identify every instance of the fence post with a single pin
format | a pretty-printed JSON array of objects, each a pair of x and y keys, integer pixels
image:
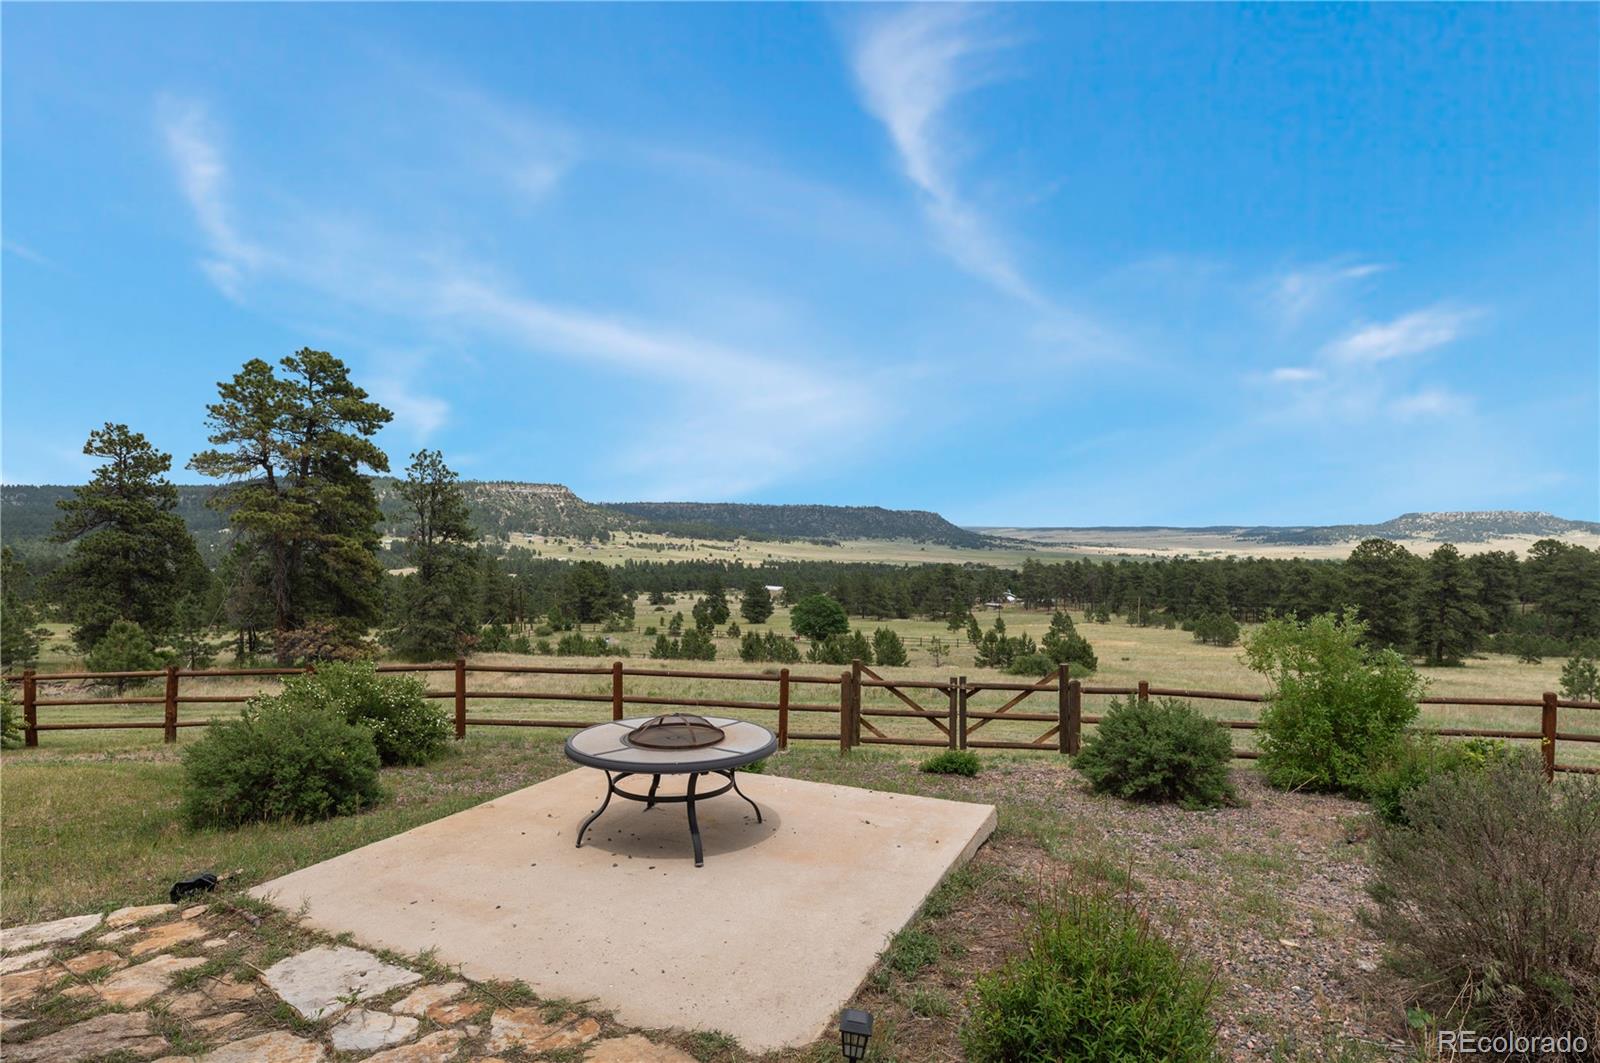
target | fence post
[
  {"x": 1074, "y": 728},
  {"x": 783, "y": 709},
  {"x": 953, "y": 723},
  {"x": 1063, "y": 701},
  {"x": 855, "y": 702},
  {"x": 1547, "y": 744},
  {"x": 461, "y": 698},
  {"x": 844, "y": 712},
  {"x": 169, "y": 732},
  {"x": 30, "y": 709},
  {"x": 961, "y": 709},
  {"x": 1144, "y": 690},
  {"x": 616, "y": 690}
]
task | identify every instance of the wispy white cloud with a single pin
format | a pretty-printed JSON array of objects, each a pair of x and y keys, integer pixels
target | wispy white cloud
[
  {"x": 1413, "y": 333},
  {"x": 722, "y": 391},
  {"x": 23, "y": 251},
  {"x": 416, "y": 413},
  {"x": 911, "y": 64},
  {"x": 1296, "y": 374},
  {"x": 1430, "y": 402},
  {"x": 192, "y": 143},
  {"x": 1297, "y": 293}
]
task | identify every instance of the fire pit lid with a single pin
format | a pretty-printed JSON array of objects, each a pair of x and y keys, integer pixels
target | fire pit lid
[{"x": 675, "y": 730}]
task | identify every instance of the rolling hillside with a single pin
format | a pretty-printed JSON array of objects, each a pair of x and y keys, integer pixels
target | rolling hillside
[{"x": 501, "y": 508}]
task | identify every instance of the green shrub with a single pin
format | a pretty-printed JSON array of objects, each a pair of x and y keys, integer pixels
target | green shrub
[
  {"x": 1489, "y": 901},
  {"x": 953, "y": 762},
  {"x": 1336, "y": 707},
  {"x": 282, "y": 759},
  {"x": 1097, "y": 983},
  {"x": 1063, "y": 645},
  {"x": 10, "y": 721},
  {"x": 887, "y": 647},
  {"x": 1038, "y": 664},
  {"x": 1160, "y": 750},
  {"x": 1415, "y": 760},
  {"x": 406, "y": 728}
]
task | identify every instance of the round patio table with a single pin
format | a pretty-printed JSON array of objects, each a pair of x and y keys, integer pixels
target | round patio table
[{"x": 625, "y": 748}]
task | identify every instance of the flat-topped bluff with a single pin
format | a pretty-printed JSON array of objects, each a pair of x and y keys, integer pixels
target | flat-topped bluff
[{"x": 501, "y": 508}]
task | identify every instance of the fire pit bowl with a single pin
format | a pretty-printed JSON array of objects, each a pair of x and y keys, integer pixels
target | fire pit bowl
[{"x": 673, "y": 744}]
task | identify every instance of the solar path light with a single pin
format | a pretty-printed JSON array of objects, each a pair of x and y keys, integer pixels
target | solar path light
[{"x": 855, "y": 1030}]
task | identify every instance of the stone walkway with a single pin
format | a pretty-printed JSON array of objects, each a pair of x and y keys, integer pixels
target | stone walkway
[{"x": 217, "y": 983}]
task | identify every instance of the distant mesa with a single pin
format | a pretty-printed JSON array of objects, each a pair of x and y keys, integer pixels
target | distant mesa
[
  {"x": 1475, "y": 526},
  {"x": 502, "y": 508}
]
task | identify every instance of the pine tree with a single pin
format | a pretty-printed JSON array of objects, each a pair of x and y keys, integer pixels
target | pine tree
[
  {"x": 1381, "y": 579},
  {"x": 1449, "y": 620},
  {"x": 436, "y": 607},
  {"x": 132, "y": 556},
  {"x": 123, "y": 648},
  {"x": 716, "y": 601},
  {"x": 294, "y": 448},
  {"x": 756, "y": 605},
  {"x": 20, "y": 632},
  {"x": 587, "y": 593},
  {"x": 887, "y": 647}
]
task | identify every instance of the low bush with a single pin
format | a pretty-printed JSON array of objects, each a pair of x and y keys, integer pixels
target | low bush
[
  {"x": 1489, "y": 901},
  {"x": 1417, "y": 759},
  {"x": 405, "y": 727},
  {"x": 282, "y": 759},
  {"x": 1161, "y": 750},
  {"x": 767, "y": 646},
  {"x": 1336, "y": 706},
  {"x": 10, "y": 719},
  {"x": 1096, "y": 983},
  {"x": 1034, "y": 664},
  {"x": 576, "y": 644},
  {"x": 953, "y": 762}
]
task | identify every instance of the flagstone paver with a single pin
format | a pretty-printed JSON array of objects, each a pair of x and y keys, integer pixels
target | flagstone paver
[
  {"x": 313, "y": 982},
  {"x": 19, "y": 987},
  {"x": 211, "y": 995},
  {"x": 634, "y": 1049},
  {"x": 437, "y": 1047},
  {"x": 118, "y": 935},
  {"x": 360, "y": 1030},
  {"x": 23, "y": 960},
  {"x": 26, "y": 937},
  {"x": 137, "y": 914},
  {"x": 213, "y": 1023},
  {"x": 280, "y": 1046},
  {"x": 459, "y": 1011},
  {"x": 93, "y": 961},
  {"x": 194, "y": 911},
  {"x": 525, "y": 1028},
  {"x": 419, "y": 1000},
  {"x": 130, "y": 1033},
  {"x": 131, "y": 987},
  {"x": 165, "y": 936}
]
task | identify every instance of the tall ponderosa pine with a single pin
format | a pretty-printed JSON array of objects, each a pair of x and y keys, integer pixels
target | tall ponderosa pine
[
  {"x": 20, "y": 631},
  {"x": 132, "y": 556},
  {"x": 756, "y": 605},
  {"x": 1449, "y": 620},
  {"x": 435, "y": 607},
  {"x": 1381, "y": 581},
  {"x": 295, "y": 448}
]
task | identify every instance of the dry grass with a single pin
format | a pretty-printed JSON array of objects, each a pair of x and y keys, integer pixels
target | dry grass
[{"x": 1127, "y": 654}]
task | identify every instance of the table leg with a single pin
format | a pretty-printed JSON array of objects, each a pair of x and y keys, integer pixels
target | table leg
[
  {"x": 655, "y": 781},
  {"x": 732, "y": 777},
  {"x": 610, "y": 786},
  {"x": 694, "y": 824}
]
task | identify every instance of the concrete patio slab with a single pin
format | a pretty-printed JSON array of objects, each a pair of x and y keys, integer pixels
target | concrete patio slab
[{"x": 765, "y": 942}]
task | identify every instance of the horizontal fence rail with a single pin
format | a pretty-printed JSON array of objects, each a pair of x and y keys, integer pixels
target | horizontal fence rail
[{"x": 945, "y": 706}]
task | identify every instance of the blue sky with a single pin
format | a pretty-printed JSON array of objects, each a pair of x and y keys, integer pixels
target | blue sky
[{"x": 1063, "y": 265}]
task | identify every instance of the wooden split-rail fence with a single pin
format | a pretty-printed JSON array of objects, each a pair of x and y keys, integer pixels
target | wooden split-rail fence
[{"x": 955, "y": 722}]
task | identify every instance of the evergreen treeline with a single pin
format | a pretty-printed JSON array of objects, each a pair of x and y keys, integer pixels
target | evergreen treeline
[{"x": 303, "y": 576}]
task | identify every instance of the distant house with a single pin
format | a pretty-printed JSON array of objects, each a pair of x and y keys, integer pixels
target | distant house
[{"x": 774, "y": 589}]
